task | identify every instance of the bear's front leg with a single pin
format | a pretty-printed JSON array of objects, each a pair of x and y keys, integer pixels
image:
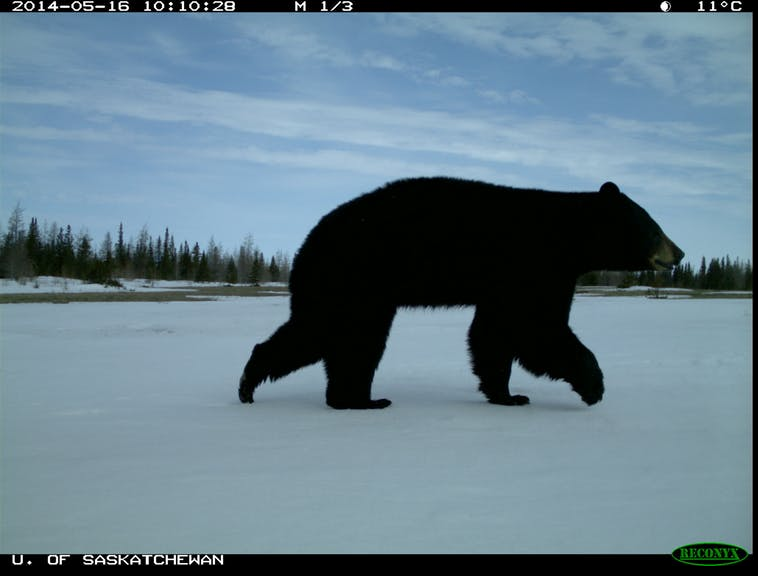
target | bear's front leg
[
  {"x": 587, "y": 379},
  {"x": 560, "y": 355}
]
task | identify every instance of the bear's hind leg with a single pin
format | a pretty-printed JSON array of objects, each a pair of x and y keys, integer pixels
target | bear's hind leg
[
  {"x": 491, "y": 358},
  {"x": 290, "y": 348},
  {"x": 355, "y": 345}
]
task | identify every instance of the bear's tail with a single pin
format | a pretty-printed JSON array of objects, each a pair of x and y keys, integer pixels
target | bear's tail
[{"x": 290, "y": 348}]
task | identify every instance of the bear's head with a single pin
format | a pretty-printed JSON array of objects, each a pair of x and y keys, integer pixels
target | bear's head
[{"x": 629, "y": 238}]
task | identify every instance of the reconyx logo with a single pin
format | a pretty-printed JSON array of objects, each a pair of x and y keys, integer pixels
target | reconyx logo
[{"x": 710, "y": 554}]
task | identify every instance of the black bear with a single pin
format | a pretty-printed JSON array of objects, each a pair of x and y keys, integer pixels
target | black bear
[{"x": 399, "y": 246}]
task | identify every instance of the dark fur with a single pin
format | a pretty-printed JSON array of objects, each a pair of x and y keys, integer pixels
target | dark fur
[{"x": 513, "y": 253}]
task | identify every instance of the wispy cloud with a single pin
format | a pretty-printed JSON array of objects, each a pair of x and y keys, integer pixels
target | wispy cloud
[
  {"x": 297, "y": 43},
  {"x": 47, "y": 133},
  {"x": 684, "y": 53},
  {"x": 169, "y": 45},
  {"x": 294, "y": 40},
  {"x": 511, "y": 97},
  {"x": 379, "y": 60},
  {"x": 600, "y": 144}
]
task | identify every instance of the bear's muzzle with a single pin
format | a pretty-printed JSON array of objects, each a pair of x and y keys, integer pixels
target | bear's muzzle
[{"x": 667, "y": 256}]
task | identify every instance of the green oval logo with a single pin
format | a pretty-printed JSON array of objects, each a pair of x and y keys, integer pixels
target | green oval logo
[{"x": 709, "y": 554}]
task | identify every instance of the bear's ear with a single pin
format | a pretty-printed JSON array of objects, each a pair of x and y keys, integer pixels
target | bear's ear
[{"x": 609, "y": 188}]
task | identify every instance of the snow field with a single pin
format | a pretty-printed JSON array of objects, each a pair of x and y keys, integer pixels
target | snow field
[{"x": 122, "y": 432}]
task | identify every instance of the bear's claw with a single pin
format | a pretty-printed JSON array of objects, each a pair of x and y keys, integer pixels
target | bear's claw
[
  {"x": 245, "y": 391},
  {"x": 509, "y": 400},
  {"x": 370, "y": 405},
  {"x": 592, "y": 398}
]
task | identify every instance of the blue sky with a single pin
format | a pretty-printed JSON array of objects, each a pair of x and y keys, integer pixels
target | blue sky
[{"x": 259, "y": 124}]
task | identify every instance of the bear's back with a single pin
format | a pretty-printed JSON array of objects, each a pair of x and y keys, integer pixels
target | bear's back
[
  {"x": 445, "y": 208},
  {"x": 419, "y": 233}
]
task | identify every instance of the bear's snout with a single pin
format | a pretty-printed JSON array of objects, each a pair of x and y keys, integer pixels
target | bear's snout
[{"x": 667, "y": 256}]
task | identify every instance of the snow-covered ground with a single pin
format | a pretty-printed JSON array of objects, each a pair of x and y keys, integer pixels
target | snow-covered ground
[
  {"x": 121, "y": 432},
  {"x": 57, "y": 285},
  {"x": 54, "y": 285}
]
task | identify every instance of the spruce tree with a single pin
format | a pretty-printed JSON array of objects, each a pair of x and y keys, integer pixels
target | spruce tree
[
  {"x": 203, "y": 273},
  {"x": 714, "y": 276},
  {"x": 230, "y": 277},
  {"x": 196, "y": 254},
  {"x": 150, "y": 261},
  {"x": 701, "y": 275},
  {"x": 122, "y": 255},
  {"x": 34, "y": 248},
  {"x": 14, "y": 261},
  {"x": 83, "y": 256},
  {"x": 256, "y": 270},
  {"x": 185, "y": 262},
  {"x": 273, "y": 270},
  {"x": 139, "y": 260}
]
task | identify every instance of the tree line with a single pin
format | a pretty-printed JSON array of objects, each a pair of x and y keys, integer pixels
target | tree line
[
  {"x": 718, "y": 274},
  {"x": 52, "y": 250}
]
